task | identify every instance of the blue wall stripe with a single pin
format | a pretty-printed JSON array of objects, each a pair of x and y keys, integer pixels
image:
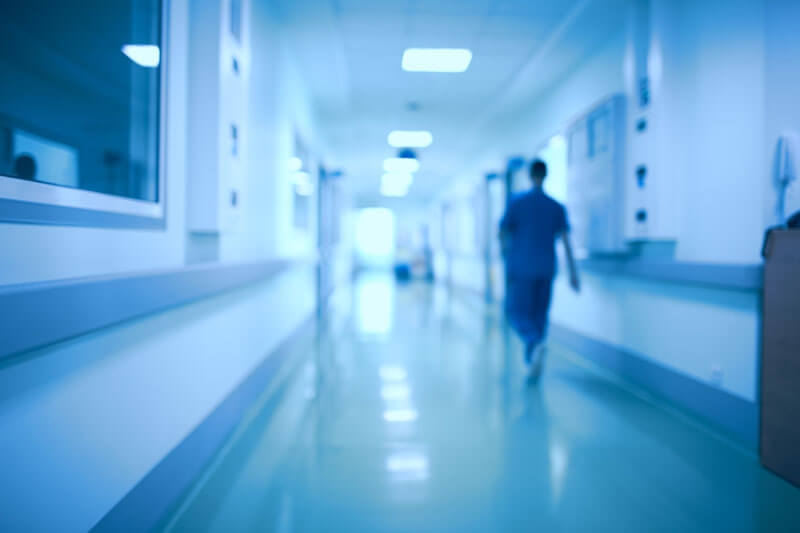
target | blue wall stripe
[
  {"x": 37, "y": 314},
  {"x": 733, "y": 415},
  {"x": 151, "y": 500}
]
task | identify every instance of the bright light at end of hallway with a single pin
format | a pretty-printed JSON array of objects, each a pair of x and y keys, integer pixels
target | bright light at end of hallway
[
  {"x": 410, "y": 139},
  {"x": 144, "y": 55},
  {"x": 375, "y": 233},
  {"x": 400, "y": 164},
  {"x": 400, "y": 415},
  {"x": 436, "y": 59}
]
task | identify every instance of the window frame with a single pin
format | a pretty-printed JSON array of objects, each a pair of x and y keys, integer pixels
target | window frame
[{"x": 32, "y": 202}]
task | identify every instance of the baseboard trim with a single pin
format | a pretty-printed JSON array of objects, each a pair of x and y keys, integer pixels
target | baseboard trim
[
  {"x": 731, "y": 414},
  {"x": 146, "y": 505}
]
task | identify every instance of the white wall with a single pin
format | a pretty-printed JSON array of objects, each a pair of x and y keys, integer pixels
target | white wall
[
  {"x": 713, "y": 69},
  {"x": 279, "y": 105},
  {"x": 82, "y": 421}
]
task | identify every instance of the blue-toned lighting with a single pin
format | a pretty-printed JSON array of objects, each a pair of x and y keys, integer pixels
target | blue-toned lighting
[
  {"x": 400, "y": 164},
  {"x": 436, "y": 59},
  {"x": 145, "y": 55},
  {"x": 410, "y": 139}
]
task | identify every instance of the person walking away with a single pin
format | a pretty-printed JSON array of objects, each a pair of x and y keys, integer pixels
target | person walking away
[{"x": 529, "y": 229}]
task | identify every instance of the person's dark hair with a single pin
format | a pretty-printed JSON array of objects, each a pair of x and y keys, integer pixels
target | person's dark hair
[
  {"x": 25, "y": 167},
  {"x": 538, "y": 169}
]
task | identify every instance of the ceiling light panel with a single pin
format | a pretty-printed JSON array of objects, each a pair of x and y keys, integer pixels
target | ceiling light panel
[
  {"x": 410, "y": 139},
  {"x": 436, "y": 59},
  {"x": 404, "y": 179}
]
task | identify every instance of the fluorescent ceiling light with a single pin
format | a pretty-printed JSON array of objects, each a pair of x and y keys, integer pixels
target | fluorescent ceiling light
[
  {"x": 436, "y": 59},
  {"x": 410, "y": 139},
  {"x": 145, "y": 55},
  {"x": 404, "y": 179},
  {"x": 394, "y": 192},
  {"x": 400, "y": 164}
]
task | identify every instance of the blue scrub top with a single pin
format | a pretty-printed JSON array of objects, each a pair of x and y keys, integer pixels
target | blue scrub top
[{"x": 533, "y": 221}]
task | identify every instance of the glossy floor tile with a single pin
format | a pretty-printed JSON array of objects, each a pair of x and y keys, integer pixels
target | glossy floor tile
[{"x": 410, "y": 413}]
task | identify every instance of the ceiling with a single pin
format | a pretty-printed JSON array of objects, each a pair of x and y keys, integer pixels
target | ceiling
[{"x": 350, "y": 50}]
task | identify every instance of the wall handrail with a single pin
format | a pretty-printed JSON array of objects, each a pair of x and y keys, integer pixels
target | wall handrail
[{"x": 35, "y": 315}]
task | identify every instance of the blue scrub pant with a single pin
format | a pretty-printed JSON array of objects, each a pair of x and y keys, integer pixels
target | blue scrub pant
[{"x": 527, "y": 307}]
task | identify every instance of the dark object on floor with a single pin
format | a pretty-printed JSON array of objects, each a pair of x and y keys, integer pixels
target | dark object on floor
[{"x": 794, "y": 221}]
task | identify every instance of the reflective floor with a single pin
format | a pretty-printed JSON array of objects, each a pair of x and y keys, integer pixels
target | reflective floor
[{"x": 410, "y": 413}]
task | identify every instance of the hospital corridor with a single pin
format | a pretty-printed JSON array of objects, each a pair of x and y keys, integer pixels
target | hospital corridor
[
  {"x": 409, "y": 413},
  {"x": 311, "y": 266}
]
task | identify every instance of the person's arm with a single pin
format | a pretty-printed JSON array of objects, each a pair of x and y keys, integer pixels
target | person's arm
[{"x": 574, "y": 278}]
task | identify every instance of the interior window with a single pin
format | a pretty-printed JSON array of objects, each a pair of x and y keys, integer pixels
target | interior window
[{"x": 80, "y": 93}]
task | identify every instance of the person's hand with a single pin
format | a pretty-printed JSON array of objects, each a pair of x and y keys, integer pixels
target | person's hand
[{"x": 575, "y": 283}]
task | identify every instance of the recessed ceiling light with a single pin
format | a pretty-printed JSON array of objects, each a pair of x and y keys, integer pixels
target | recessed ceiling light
[
  {"x": 394, "y": 190},
  {"x": 436, "y": 59},
  {"x": 400, "y": 164},
  {"x": 399, "y": 179},
  {"x": 390, "y": 192},
  {"x": 145, "y": 55},
  {"x": 410, "y": 139}
]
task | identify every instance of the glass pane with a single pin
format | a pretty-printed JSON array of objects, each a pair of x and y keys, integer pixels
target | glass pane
[{"x": 79, "y": 94}]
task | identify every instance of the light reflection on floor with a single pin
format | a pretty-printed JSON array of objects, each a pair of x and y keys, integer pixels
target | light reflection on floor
[{"x": 420, "y": 420}]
